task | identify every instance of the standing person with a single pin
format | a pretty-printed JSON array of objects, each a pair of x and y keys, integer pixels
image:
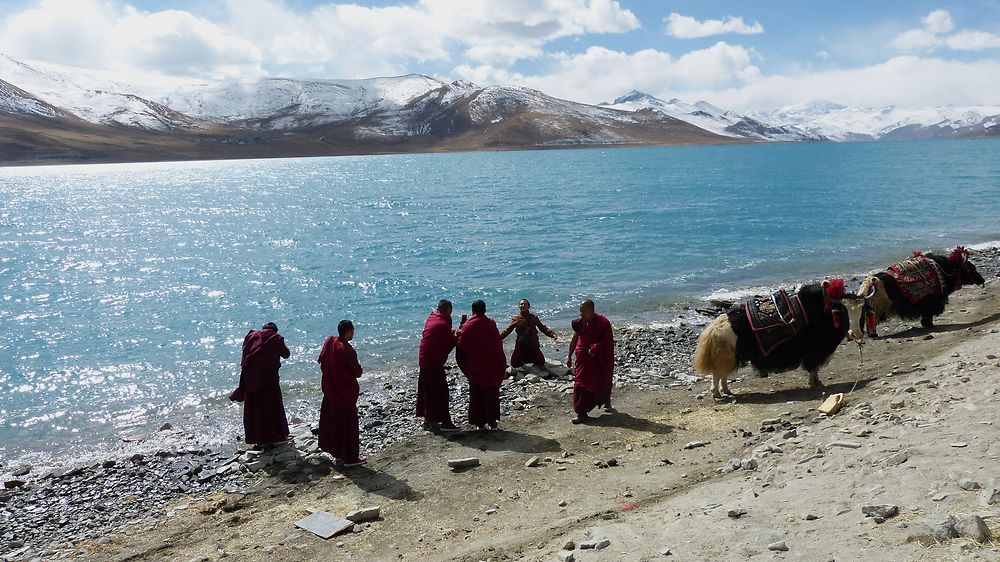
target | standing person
[
  {"x": 338, "y": 417},
  {"x": 480, "y": 356},
  {"x": 594, "y": 345},
  {"x": 264, "y": 420},
  {"x": 526, "y": 346},
  {"x": 432, "y": 386}
]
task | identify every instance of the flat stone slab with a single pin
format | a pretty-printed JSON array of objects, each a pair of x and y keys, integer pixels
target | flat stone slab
[{"x": 324, "y": 525}]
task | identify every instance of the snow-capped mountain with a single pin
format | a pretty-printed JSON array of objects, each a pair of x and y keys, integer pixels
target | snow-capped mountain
[
  {"x": 394, "y": 114},
  {"x": 843, "y": 123},
  {"x": 711, "y": 118}
]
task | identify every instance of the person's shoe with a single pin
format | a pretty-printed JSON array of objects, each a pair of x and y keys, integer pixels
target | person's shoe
[
  {"x": 494, "y": 427},
  {"x": 449, "y": 428},
  {"x": 610, "y": 409},
  {"x": 428, "y": 426},
  {"x": 359, "y": 462},
  {"x": 581, "y": 418}
]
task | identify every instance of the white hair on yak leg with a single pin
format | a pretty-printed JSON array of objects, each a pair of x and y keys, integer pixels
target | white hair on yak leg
[{"x": 716, "y": 351}]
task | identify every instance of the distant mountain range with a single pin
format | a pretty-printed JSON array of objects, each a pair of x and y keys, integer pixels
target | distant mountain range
[{"x": 52, "y": 113}]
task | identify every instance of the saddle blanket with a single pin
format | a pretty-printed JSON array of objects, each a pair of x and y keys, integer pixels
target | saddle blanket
[
  {"x": 775, "y": 319},
  {"x": 918, "y": 278}
]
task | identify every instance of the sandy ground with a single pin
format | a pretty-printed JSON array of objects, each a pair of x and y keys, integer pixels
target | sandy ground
[{"x": 933, "y": 400}]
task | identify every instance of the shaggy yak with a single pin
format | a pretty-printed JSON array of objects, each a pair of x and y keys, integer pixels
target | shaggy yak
[
  {"x": 917, "y": 287},
  {"x": 779, "y": 333}
]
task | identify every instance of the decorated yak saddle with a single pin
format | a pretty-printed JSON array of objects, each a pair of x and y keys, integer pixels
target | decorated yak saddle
[
  {"x": 775, "y": 319},
  {"x": 918, "y": 278}
]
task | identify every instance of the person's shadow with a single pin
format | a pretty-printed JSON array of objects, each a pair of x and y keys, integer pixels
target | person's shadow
[
  {"x": 628, "y": 421},
  {"x": 505, "y": 440},
  {"x": 381, "y": 483}
]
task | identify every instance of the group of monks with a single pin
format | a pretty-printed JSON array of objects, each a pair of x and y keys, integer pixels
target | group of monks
[{"x": 478, "y": 345}]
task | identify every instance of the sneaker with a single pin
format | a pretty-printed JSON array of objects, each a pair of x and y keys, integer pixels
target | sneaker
[
  {"x": 428, "y": 426},
  {"x": 582, "y": 418},
  {"x": 449, "y": 428},
  {"x": 494, "y": 427},
  {"x": 359, "y": 462}
]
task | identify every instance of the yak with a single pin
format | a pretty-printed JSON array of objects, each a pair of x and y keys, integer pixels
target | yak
[
  {"x": 779, "y": 333},
  {"x": 917, "y": 287}
]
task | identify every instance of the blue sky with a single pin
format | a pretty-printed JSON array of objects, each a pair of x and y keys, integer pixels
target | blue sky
[{"x": 743, "y": 55}]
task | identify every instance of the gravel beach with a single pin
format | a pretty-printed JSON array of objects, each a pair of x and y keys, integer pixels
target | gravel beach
[{"x": 668, "y": 472}]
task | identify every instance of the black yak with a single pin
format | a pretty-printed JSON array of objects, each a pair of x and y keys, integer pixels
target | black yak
[
  {"x": 779, "y": 333},
  {"x": 918, "y": 287}
]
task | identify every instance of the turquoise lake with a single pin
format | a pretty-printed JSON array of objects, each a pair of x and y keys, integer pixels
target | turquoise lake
[{"x": 126, "y": 290}]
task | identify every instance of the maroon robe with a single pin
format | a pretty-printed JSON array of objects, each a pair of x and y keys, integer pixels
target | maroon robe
[
  {"x": 526, "y": 346},
  {"x": 595, "y": 363},
  {"x": 432, "y": 386},
  {"x": 481, "y": 357},
  {"x": 264, "y": 418},
  {"x": 338, "y": 416}
]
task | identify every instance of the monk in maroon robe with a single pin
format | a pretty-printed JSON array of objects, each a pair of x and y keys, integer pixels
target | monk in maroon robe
[
  {"x": 593, "y": 344},
  {"x": 481, "y": 357},
  {"x": 338, "y": 417},
  {"x": 264, "y": 419},
  {"x": 432, "y": 385},
  {"x": 526, "y": 346}
]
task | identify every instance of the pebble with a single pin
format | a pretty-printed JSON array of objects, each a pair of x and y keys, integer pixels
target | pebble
[
  {"x": 969, "y": 485},
  {"x": 21, "y": 471},
  {"x": 880, "y": 512},
  {"x": 533, "y": 461},
  {"x": 959, "y": 445},
  {"x": 566, "y": 556},
  {"x": 468, "y": 462},
  {"x": 602, "y": 544},
  {"x": 562, "y": 503},
  {"x": 779, "y": 546},
  {"x": 570, "y": 545},
  {"x": 896, "y": 459},
  {"x": 364, "y": 514},
  {"x": 846, "y": 444},
  {"x": 695, "y": 444}
]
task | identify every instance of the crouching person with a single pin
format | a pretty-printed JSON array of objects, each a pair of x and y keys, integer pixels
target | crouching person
[{"x": 338, "y": 417}]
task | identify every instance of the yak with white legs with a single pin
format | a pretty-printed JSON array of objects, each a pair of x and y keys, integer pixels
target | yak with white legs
[
  {"x": 780, "y": 332},
  {"x": 918, "y": 287}
]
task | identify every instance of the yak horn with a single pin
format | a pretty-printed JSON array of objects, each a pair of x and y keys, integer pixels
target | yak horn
[{"x": 870, "y": 294}]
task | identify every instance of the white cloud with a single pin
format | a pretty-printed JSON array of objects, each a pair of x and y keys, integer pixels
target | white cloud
[
  {"x": 339, "y": 39},
  {"x": 938, "y": 21},
  {"x": 822, "y": 54},
  {"x": 599, "y": 74},
  {"x": 908, "y": 81},
  {"x": 937, "y": 25},
  {"x": 917, "y": 40},
  {"x": 687, "y": 27},
  {"x": 103, "y": 34},
  {"x": 973, "y": 41}
]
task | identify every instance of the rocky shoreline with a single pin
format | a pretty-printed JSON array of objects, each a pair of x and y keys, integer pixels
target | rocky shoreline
[{"x": 56, "y": 513}]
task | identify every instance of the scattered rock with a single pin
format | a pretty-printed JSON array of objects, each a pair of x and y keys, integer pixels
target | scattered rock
[
  {"x": 810, "y": 517},
  {"x": 469, "y": 462},
  {"x": 364, "y": 514},
  {"x": 696, "y": 444},
  {"x": 736, "y": 513},
  {"x": 973, "y": 527},
  {"x": 570, "y": 545},
  {"x": 532, "y": 462},
  {"x": 991, "y": 496},
  {"x": 846, "y": 444},
  {"x": 969, "y": 485},
  {"x": 605, "y": 543},
  {"x": 941, "y": 527},
  {"x": 566, "y": 556},
  {"x": 779, "y": 546},
  {"x": 896, "y": 459},
  {"x": 959, "y": 445},
  {"x": 880, "y": 512},
  {"x": 21, "y": 471}
]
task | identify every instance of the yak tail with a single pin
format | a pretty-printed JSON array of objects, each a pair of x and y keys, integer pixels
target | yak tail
[{"x": 716, "y": 352}]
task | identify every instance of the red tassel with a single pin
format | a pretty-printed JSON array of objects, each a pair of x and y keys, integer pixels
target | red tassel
[
  {"x": 871, "y": 323},
  {"x": 836, "y": 319},
  {"x": 959, "y": 255},
  {"x": 835, "y": 289}
]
